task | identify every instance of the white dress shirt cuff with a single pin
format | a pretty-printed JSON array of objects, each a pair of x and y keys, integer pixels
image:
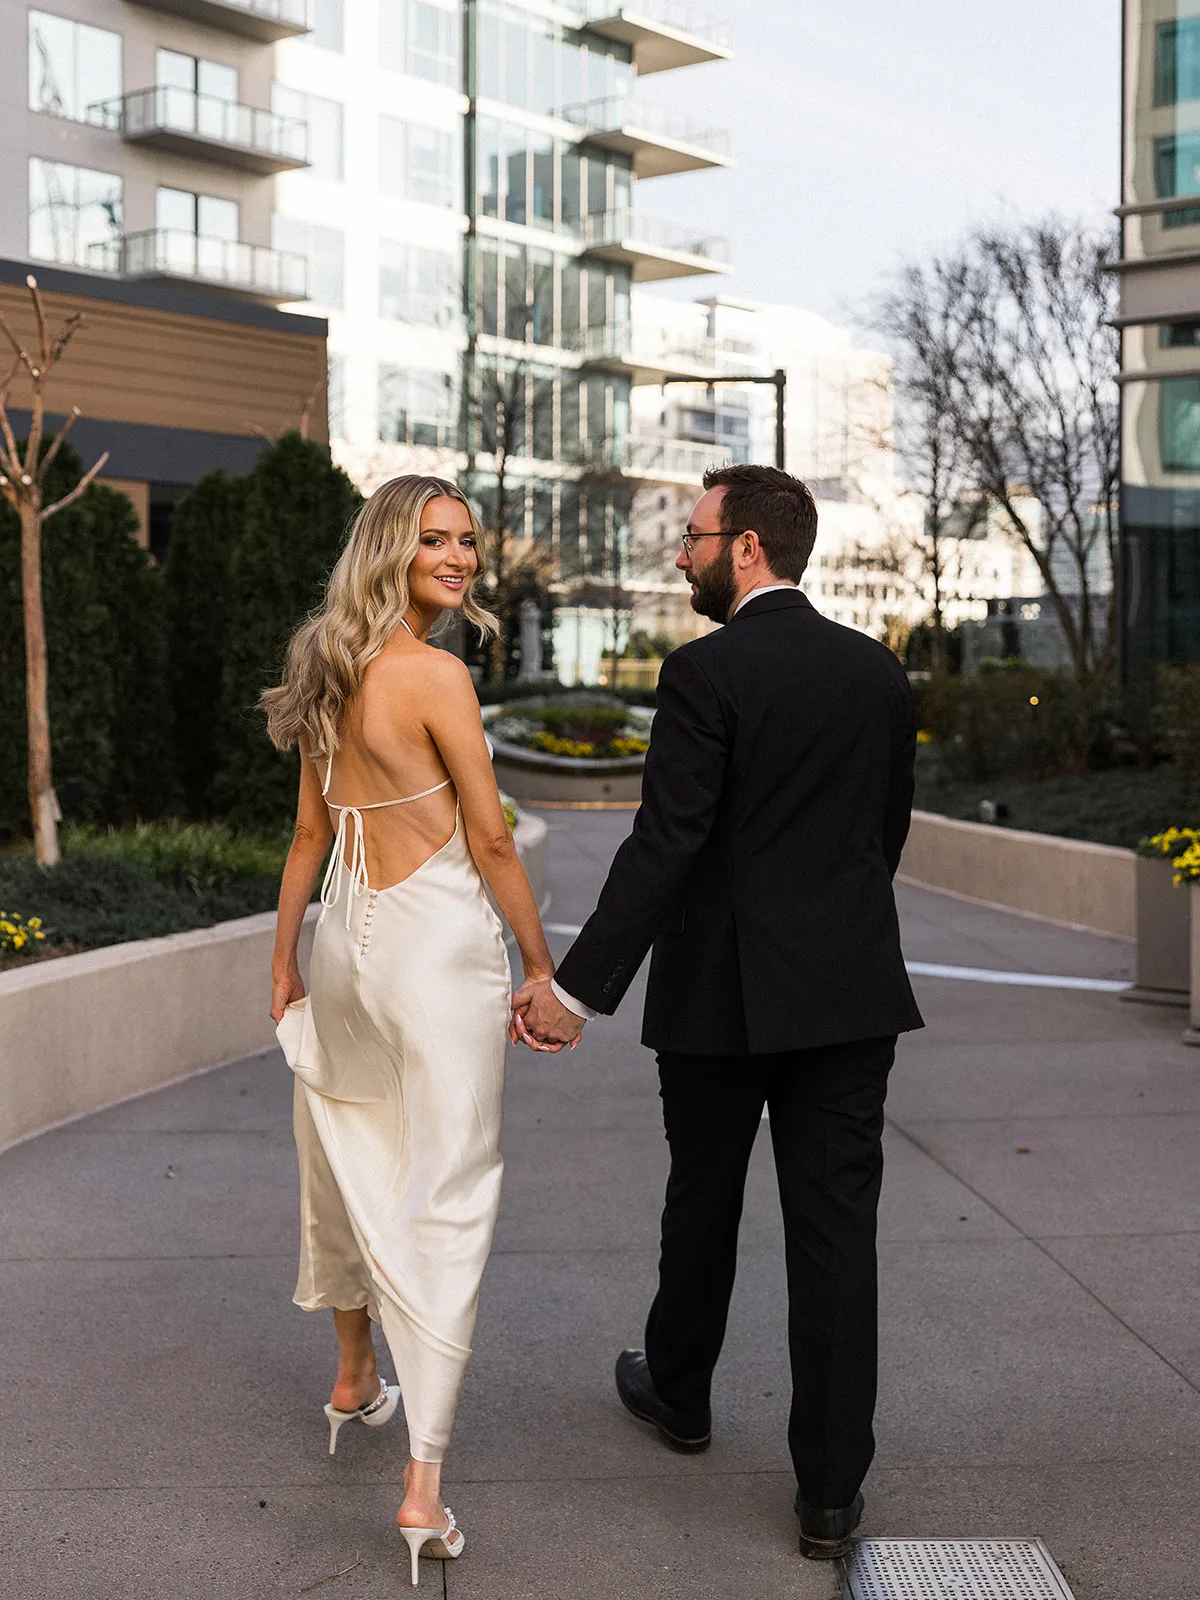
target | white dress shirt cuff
[{"x": 577, "y": 1006}]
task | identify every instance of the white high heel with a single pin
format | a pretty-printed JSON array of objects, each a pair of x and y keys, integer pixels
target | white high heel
[
  {"x": 375, "y": 1413},
  {"x": 440, "y": 1543}
]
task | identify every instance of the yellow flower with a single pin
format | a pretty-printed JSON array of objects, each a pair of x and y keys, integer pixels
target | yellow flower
[{"x": 924, "y": 736}]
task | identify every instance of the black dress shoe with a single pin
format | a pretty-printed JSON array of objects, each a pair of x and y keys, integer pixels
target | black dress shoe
[
  {"x": 825, "y": 1535},
  {"x": 688, "y": 1435}
]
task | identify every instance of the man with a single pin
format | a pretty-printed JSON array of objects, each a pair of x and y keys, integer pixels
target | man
[{"x": 775, "y": 803}]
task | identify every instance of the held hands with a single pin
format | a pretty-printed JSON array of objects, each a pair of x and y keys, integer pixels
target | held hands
[{"x": 540, "y": 1020}]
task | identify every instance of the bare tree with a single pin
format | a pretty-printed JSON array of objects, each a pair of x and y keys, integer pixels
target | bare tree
[
  {"x": 922, "y": 318},
  {"x": 23, "y": 479},
  {"x": 513, "y": 400},
  {"x": 1024, "y": 358}
]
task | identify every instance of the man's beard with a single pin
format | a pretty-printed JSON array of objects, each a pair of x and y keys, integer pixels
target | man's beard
[{"x": 714, "y": 591}]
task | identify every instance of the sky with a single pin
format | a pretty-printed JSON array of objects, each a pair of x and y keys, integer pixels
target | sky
[{"x": 870, "y": 132}]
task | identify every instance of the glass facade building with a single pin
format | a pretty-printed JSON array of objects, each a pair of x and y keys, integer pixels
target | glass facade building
[
  {"x": 1160, "y": 322},
  {"x": 491, "y": 232}
]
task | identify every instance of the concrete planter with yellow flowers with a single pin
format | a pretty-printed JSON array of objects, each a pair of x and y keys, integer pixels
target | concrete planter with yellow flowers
[
  {"x": 1178, "y": 849},
  {"x": 570, "y": 750}
]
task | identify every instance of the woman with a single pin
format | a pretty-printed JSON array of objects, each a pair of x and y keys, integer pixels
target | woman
[{"x": 399, "y": 1046}]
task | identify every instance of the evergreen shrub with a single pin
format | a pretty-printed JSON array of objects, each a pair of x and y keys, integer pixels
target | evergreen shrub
[
  {"x": 1011, "y": 720},
  {"x": 298, "y": 507},
  {"x": 106, "y": 632},
  {"x": 208, "y": 524},
  {"x": 1177, "y": 724}
]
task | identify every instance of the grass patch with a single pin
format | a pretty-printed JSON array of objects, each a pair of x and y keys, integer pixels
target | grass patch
[{"x": 1118, "y": 807}]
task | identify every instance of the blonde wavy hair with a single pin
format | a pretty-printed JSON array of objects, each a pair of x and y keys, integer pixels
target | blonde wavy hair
[{"x": 365, "y": 598}]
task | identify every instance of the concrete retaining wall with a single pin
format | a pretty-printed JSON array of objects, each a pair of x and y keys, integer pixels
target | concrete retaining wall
[
  {"x": 86, "y": 1031},
  {"x": 1067, "y": 880}
]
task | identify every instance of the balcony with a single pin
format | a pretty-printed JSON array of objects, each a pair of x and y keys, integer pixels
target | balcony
[
  {"x": 647, "y": 355},
  {"x": 651, "y": 459},
  {"x": 246, "y": 270},
  {"x": 201, "y": 125},
  {"x": 266, "y": 20},
  {"x": 652, "y": 248},
  {"x": 662, "y": 33},
  {"x": 660, "y": 141}
]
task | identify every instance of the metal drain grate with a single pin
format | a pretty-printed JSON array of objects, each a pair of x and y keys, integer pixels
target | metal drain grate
[{"x": 951, "y": 1569}]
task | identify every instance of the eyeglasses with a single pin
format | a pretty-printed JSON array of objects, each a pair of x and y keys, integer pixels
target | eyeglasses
[{"x": 689, "y": 539}]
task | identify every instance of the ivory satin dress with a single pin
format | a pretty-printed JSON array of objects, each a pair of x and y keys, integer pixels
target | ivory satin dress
[{"x": 398, "y": 1051}]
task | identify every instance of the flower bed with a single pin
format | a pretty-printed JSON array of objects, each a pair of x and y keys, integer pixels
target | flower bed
[
  {"x": 571, "y": 748},
  {"x": 582, "y": 729}
]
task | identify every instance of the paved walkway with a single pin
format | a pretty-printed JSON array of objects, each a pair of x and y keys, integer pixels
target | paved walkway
[{"x": 161, "y": 1432}]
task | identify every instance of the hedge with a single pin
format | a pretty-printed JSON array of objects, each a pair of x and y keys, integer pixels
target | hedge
[
  {"x": 297, "y": 511},
  {"x": 106, "y": 630}
]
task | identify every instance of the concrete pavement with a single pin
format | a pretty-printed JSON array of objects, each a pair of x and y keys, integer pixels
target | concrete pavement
[{"x": 161, "y": 1431}]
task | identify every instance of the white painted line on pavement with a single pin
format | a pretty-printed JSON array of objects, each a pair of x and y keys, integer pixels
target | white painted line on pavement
[
  {"x": 1026, "y": 980},
  {"x": 935, "y": 969}
]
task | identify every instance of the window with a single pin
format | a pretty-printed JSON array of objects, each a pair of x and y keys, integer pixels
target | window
[
  {"x": 325, "y": 251},
  {"x": 421, "y": 37},
  {"x": 1177, "y": 61},
  {"x": 74, "y": 215},
  {"x": 324, "y": 120},
  {"x": 196, "y": 76},
  {"x": 528, "y": 61},
  {"x": 418, "y": 285},
  {"x": 71, "y": 66},
  {"x": 415, "y": 406},
  {"x": 417, "y": 162},
  {"x": 335, "y": 389},
  {"x": 1179, "y": 424},
  {"x": 1178, "y": 335},
  {"x": 1177, "y": 172},
  {"x": 206, "y": 215},
  {"x": 328, "y": 29}
]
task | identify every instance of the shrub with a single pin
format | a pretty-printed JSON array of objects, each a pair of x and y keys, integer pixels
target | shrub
[
  {"x": 106, "y": 635},
  {"x": 1010, "y": 721},
  {"x": 207, "y": 525},
  {"x": 193, "y": 856},
  {"x": 298, "y": 507},
  {"x": 1177, "y": 723}
]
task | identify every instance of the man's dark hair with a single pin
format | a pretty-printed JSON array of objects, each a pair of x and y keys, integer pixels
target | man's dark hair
[{"x": 779, "y": 508}]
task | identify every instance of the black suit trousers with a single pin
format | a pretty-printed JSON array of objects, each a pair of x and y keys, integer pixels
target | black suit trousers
[{"x": 826, "y": 1121}]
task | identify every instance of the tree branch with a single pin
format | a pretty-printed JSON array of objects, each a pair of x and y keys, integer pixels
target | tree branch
[
  {"x": 56, "y": 443},
  {"x": 75, "y": 493},
  {"x": 35, "y": 294}
]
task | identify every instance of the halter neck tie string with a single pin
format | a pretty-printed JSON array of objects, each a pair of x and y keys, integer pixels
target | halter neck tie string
[{"x": 359, "y": 883}]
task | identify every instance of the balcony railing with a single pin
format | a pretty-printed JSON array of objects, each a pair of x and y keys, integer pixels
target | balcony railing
[
  {"x": 659, "y": 140},
  {"x": 207, "y": 126},
  {"x": 648, "y": 353},
  {"x": 673, "y": 14},
  {"x": 656, "y": 459},
  {"x": 654, "y": 248},
  {"x": 661, "y": 33},
  {"x": 267, "y": 20},
  {"x": 244, "y": 269}
]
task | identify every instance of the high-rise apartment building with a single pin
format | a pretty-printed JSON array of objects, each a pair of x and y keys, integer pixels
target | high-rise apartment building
[
  {"x": 1160, "y": 324},
  {"x": 137, "y": 166},
  {"x": 472, "y": 217}
]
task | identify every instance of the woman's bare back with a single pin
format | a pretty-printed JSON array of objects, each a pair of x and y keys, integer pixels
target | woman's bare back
[{"x": 385, "y": 753}]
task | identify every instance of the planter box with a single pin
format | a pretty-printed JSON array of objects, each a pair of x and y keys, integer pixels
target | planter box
[
  {"x": 1085, "y": 885},
  {"x": 1192, "y": 1032},
  {"x": 82, "y": 1032},
  {"x": 532, "y": 775},
  {"x": 1163, "y": 911}
]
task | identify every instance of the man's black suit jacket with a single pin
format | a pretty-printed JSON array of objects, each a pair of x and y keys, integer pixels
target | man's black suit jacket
[{"x": 775, "y": 803}]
